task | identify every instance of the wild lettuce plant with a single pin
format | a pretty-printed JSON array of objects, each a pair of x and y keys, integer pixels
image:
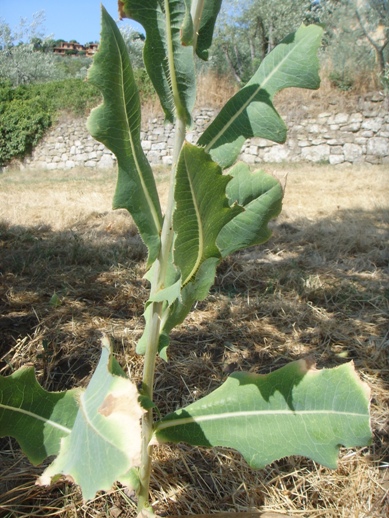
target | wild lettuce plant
[{"x": 217, "y": 206}]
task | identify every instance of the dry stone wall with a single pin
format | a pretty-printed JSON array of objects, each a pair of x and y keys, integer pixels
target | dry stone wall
[{"x": 361, "y": 135}]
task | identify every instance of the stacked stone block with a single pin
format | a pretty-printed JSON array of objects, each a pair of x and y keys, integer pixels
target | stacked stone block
[{"x": 335, "y": 138}]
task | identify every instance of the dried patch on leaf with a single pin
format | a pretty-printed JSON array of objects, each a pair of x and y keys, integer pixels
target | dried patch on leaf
[
  {"x": 108, "y": 422},
  {"x": 122, "y": 13}
]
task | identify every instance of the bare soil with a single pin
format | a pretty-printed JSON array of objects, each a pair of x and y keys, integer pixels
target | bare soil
[{"x": 71, "y": 268}]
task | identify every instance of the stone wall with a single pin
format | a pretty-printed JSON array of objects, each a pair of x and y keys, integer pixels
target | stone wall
[{"x": 361, "y": 135}]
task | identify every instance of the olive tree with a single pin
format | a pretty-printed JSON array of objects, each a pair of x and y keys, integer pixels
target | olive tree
[
  {"x": 20, "y": 60},
  {"x": 247, "y": 32}
]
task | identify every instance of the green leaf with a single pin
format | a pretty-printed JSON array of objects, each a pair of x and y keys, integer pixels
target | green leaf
[
  {"x": 209, "y": 14},
  {"x": 208, "y": 228},
  {"x": 169, "y": 64},
  {"x": 197, "y": 289},
  {"x": 116, "y": 123},
  {"x": 295, "y": 410},
  {"x": 37, "y": 419},
  {"x": 261, "y": 196},
  {"x": 105, "y": 441},
  {"x": 187, "y": 29},
  {"x": 201, "y": 211},
  {"x": 168, "y": 294},
  {"x": 250, "y": 112},
  {"x": 176, "y": 310}
]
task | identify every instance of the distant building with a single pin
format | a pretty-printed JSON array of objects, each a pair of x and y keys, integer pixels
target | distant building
[{"x": 74, "y": 49}]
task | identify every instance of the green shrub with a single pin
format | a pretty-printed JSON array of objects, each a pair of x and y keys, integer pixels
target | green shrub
[
  {"x": 5, "y": 92},
  {"x": 144, "y": 84},
  {"x": 341, "y": 80},
  {"x": 28, "y": 110},
  {"x": 23, "y": 122},
  {"x": 71, "y": 95}
]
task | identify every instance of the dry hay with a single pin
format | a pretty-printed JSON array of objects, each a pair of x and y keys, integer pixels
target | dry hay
[{"x": 70, "y": 268}]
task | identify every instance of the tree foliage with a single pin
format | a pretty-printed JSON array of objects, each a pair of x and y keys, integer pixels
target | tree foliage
[
  {"x": 373, "y": 19},
  {"x": 356, "y": 40},
  {"x": 135, "y": 42},
  {"x": 248, "y": 31},
  {"x": 23, "y": 65}
]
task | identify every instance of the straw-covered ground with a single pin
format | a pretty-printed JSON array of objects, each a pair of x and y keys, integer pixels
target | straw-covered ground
[{"x": 71, "y": 268}]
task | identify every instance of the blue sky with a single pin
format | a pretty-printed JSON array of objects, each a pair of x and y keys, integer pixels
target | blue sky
[{"x": 66, "y": 19}]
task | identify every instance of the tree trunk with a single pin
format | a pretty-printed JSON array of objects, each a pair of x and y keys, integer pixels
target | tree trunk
[
  {"x": 378, "y": 49},
  {"x": 270, "y": 43},
  {"x": 262, "y": 36},
  {"x": 232, "y": 67}
]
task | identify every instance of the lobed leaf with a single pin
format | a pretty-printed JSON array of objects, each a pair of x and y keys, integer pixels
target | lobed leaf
[
  {"x": 116, "y": 123},
  {"x": 261, "y": 196},
  {"x": 37, "y": 419},
  {"x": 202, "y": 210},
  {"x": 250, "y": 112},
  {"x": 206, "y": 26},
  {"x": 295, "y": 410},
  {"x": 105, "y": 440},
  {"x": 169, "y": 64},
  {"x": 215, "y": 215}
]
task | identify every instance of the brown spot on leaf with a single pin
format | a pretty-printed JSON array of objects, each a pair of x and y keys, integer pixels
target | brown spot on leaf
[
  {"x": 122, "y": 13},
  {"x": 122, "y": 403},
  {"x": 108, "y": 406}
]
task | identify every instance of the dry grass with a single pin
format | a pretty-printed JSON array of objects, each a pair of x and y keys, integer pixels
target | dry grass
[
  {"x": 318, "y": 287},
  {"x": 213, "y": 91}
]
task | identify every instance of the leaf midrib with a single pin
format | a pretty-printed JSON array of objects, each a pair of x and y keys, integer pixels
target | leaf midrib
[
  {"x": 261, "y": 86},
  {"x": 134, "y": 154},
  {"x": 199, "y": 225},
  {"x": 249, "y": 413},
  {"x": 36, "y": 416}
]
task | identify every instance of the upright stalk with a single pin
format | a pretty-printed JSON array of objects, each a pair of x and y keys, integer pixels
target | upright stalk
[
  {"x": 147, "y": 420},
  {"x": 167, "y": 235},
  {"x": 159, "y": 280}
]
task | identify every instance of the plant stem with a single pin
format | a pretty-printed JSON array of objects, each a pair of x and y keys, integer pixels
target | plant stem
[
  {"x": 147, "y": 421},
  {"x": 158, "y": 283},
  {"x": 167, "y": 236}
]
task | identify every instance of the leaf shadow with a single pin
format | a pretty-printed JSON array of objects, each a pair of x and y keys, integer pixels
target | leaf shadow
[
  {"x": 316, "y": 289},
  {"x": 284, "y": 380}
]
